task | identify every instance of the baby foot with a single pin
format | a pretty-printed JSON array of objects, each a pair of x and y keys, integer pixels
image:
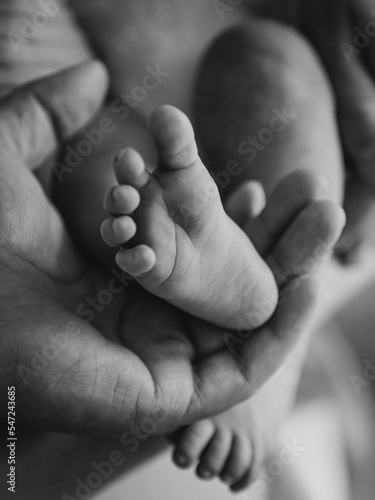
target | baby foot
[
  {"x": 181, "y": 245},
  {"x": 220, "y": 447}
]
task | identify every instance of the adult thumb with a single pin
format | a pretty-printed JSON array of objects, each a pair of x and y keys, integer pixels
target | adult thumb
[{"x": 36, "y": 118}]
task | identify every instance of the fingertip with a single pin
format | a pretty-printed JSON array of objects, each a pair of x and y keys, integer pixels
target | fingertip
[
  {"x": 246, "y": 202},
  {"x": 336, "y": 213},
  {"x": 333, "y": 219},
  {"x": 98, "y": 73},
  {"x": 342, "y": 217}
]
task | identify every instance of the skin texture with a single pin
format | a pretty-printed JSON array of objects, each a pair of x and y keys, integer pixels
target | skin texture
[
  {"x": 86, "y": 226},
  {"x": 52, "y": 268},
  {"x": 130, "y": 364},
  {"x": 86, "y": 388}
]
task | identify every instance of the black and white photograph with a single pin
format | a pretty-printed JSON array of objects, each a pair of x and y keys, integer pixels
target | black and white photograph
[{"x": 152, "y": 153}]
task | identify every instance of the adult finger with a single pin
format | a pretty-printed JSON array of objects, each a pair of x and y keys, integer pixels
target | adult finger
[
  {"x": 36, "y": 118},
  {"x": 308, "y": 242},
  {"x": 360, "y": 209},
  {"x": 249, "y": 359}
]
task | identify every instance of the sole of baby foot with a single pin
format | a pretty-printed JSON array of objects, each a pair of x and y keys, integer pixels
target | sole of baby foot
[{"x": 177, "y": 240}]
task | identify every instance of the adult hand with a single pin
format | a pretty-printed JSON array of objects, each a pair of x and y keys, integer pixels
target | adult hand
[{"x": 137, "y": 360}]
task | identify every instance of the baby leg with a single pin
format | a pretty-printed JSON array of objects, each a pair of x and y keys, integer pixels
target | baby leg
[{"x": 264, "y": 109}]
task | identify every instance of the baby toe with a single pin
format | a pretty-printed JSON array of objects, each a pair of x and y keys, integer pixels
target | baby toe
[
  {"x": 130, "y": 168},
  {"x": 121, "y": 199},
  {"x": 244, "y": 482},
  {"x": 192, "y": 443},
  {"x": 215, "y": 455},
  {"x": 117, "y": 231},
  {"x": 239, "y": 461},
  {"x": 174, "y": 138},
  {"x": 136, "y": 261}
]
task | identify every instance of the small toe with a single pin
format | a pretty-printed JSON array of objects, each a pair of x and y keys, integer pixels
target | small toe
[
  {"x": 215, "y": 455},
  {"x": 244, "y": 482},
  {"x": 121, "y": 200},
  {"x": 239, "y": 461},
  {"x": 136, "y": 261},
  {"x": 117, "y": 231},
  {"x": 130, "y": 168},
  {"x": 192, "y": 443},
  {"x": 174, "y": 138}
]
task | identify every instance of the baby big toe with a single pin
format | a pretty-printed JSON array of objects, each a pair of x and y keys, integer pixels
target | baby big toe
[{"x": 174, "y": 138}]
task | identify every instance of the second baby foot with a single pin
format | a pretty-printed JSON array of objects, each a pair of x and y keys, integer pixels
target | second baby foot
[
  {"x": 222, "y": 446},
  {"x": 180, "y": 243}
]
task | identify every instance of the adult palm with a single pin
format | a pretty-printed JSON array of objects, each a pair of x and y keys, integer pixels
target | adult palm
[{"x": 139, "y": 359}]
